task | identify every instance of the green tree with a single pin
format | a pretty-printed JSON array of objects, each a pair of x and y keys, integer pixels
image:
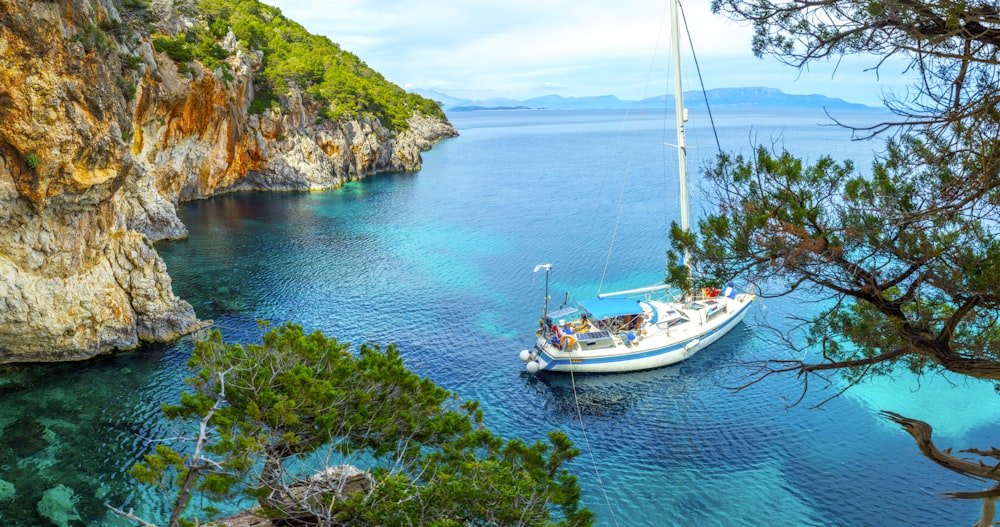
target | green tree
[
  {"x": 294, "y": 58},
  {"x": 271, "y": 416},
  {"x": 340, "y": 83},
  {"x": 907, "y": 256}
]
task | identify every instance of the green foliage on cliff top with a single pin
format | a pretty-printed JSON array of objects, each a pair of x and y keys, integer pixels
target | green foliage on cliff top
[
  {"x": 176, "y": 48},
  {"x": 315, "y": 64}
]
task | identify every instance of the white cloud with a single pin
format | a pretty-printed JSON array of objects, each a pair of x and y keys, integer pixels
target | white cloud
[{"x": 526, "y": 48}]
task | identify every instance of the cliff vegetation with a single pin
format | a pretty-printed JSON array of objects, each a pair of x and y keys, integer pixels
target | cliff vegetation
[
  {"x": 292, "y": 58},
  {"x": 115, "y": 111}
]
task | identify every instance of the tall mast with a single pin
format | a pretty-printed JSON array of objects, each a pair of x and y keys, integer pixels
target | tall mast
[
  {"x": 545, "y": 305},
  {"x": 681, "y": 117}
]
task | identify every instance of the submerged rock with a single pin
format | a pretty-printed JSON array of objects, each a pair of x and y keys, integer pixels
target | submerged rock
[
  {"x": 7, "y": 492},
  {"x": 26, "y": 436},
  {"x": 58, "y": 504}
]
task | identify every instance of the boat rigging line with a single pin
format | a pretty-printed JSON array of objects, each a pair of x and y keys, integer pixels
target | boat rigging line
[
  {"x": 701, "y": 81},
  {"x": 679, "y": 111},
  {"x": 628, "y": 164},
  {"x": 590, "y": 451}
]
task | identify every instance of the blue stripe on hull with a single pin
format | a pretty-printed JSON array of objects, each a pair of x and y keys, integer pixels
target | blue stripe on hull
[{"x": 633, "y": 361}]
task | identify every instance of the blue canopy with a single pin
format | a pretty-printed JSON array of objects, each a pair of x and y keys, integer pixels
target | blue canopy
[{"x": 611, "y": 307}]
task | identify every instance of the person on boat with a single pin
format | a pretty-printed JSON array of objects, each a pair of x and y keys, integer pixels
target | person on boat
[
  {"x": 583, "y": 326},
  {"x": 637, "y": 323},
  {"x": 556, "y": 335},
  {"x": 565, "y": 338}
]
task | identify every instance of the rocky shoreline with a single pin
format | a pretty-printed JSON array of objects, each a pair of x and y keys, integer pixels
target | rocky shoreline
[{"x": 104, "y": 137}]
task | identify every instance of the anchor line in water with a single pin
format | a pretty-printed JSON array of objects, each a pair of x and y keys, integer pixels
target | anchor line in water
[{"x": 590, "y": 451}]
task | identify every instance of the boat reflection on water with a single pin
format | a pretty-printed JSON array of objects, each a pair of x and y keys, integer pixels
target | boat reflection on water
[
  {"x": 607, "y": 394},
  {"x": 604, "y": 395}
]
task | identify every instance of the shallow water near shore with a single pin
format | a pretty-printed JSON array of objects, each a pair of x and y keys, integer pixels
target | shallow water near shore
[{"x": 440, "y": 262}]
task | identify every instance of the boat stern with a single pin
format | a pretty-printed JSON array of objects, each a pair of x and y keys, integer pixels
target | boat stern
[{"x": 537, "y": 358}]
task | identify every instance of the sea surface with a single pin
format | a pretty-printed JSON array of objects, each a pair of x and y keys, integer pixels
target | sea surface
[{"x": 441, "y": 262}]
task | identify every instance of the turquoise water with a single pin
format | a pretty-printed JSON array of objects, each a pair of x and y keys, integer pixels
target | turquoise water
[{"x": 441, "y": 262}]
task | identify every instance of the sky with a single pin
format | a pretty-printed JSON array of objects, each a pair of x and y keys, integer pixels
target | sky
[{"x": 519, "y": 49}]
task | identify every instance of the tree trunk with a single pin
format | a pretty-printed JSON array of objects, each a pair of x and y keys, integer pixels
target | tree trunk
[
  {"x": 922, "y": 431},
  {"x": 989, "y": 511}
]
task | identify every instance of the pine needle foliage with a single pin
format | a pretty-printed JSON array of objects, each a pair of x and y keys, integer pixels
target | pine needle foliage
[
  {"x": 270, "y": 415},
  {"x": 901, "y": 261}
]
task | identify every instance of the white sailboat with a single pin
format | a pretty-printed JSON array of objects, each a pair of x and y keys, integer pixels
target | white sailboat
[{"x": 643, "y": 328}]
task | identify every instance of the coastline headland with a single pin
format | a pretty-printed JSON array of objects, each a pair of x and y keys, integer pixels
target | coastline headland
[{"x": 105, "y": 134}]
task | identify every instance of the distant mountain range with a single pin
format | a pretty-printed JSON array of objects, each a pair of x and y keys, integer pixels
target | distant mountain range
[{"x": 721, "y": 97}]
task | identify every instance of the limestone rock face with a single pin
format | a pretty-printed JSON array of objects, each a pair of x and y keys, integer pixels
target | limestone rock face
[
  {"x": 75, "y": 280},
  {"x": 101, "y": 138},
  {"x": 194, "y": 133}
]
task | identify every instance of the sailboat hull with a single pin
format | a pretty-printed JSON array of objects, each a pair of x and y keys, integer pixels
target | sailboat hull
[
  {"x": 616, "y": 334},
  {"x": 653, "y": 347}
]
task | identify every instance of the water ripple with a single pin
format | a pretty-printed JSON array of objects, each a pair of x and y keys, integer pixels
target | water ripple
[{"x": 441, "y": 263}]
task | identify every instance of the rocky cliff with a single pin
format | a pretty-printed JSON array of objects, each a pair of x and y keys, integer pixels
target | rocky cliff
[{"x": 101, "y": 137}]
